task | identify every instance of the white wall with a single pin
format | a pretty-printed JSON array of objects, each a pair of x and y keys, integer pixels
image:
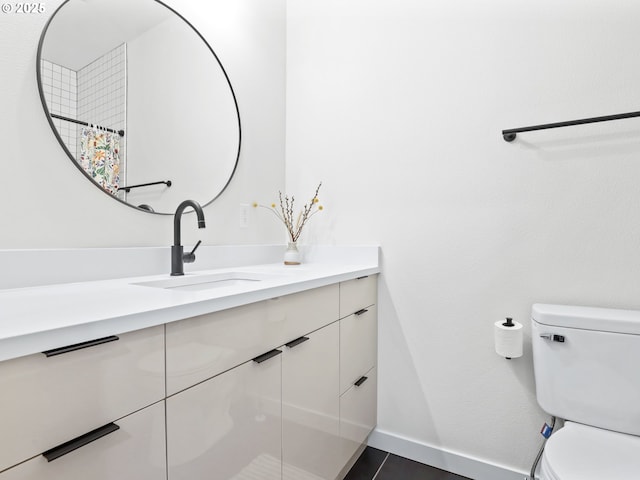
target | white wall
[
  {"x": 47, "y": 203},
  {"x": 397, "y": 105}
]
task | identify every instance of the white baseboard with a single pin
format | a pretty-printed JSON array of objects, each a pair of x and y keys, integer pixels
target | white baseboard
[{"x": 445, "y": 460}]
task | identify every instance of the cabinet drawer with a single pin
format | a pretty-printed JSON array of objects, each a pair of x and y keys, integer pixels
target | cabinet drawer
[
  {"x": 358, "y": 345},
  {"x": 135, "y": 451},
  {"x": 358, "y": 413},
  {"x": 46, "y": 401},
  {"x": 202, "y": 347},
  {"x": 357, "y": 294},
  {"x": 228, "y": 427},
  {"x": 310, "y": 310}
]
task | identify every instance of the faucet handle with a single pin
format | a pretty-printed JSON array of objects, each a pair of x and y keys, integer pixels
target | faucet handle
[{"x": 191, "y": 256}]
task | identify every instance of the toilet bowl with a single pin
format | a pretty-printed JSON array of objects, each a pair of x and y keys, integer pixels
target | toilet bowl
[{"x": 580, "y": 452}]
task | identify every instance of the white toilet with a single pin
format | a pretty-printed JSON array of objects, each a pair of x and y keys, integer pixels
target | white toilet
[{"x": 587, "y": 371}]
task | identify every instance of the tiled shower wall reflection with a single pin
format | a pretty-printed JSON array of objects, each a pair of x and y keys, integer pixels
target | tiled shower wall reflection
[
  {"x": 102, "y": 98},
  {"x": 102, "y": 90},
  {"x": 59, "y": 85},
  {"x": 97, "y": 94}
]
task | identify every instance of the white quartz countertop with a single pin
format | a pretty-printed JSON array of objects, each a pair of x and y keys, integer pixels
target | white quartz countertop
[{"x": 34, "y": 319}]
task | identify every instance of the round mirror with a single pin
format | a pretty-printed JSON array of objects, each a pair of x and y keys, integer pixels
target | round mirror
[{"x": 139, "y": 101}]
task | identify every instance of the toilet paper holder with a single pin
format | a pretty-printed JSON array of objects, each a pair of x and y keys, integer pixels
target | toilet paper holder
[{"x": 508, "y": 338}]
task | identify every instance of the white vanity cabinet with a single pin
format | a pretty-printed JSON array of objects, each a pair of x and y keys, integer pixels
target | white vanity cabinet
[
  {"x": 276, "y": 414},
  {"x": 283, "y": 388},
  {"x": 54, "y": 397},
  {"x": 358, "y": 359},
  {"x": 292, "y": 412}
]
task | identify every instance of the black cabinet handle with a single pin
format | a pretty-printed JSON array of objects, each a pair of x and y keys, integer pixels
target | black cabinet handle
[
  {"x": 360, "y": 312},
  {"x": 79, "y": 442},
  {"x": 80, "y": 346},
  {"x": 360, "y": 278},
  {"x": 266, "y": 356},
  {"x": 360, "y": 381},
  {"x": 296, "y": 342}
]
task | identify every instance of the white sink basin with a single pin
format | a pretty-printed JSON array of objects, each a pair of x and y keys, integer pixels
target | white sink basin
[{"x": 194, "y": 282}]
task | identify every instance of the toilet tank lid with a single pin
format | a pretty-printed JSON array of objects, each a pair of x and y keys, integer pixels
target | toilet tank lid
[{"x": 587, "y": 318}]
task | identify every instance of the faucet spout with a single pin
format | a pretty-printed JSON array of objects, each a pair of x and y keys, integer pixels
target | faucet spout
[{"x": 177, "y": 251}]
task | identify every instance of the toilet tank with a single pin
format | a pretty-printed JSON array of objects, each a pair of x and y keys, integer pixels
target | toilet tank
[{"x": 587, "y": 365}]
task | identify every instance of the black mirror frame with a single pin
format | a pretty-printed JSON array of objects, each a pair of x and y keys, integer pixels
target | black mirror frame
[{"x": 71, "y": 157}]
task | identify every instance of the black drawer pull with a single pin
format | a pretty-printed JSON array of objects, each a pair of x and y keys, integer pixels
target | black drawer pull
[
  {"x": 360, "y": 381},
  {"x": 267, "y": 356},
  {"x": 80, "y": 441},
  {"x": 360, "y": 278},
  {"x": 360, "y": 312},
  {"x": 296, "y": 342},
  {"x": 79, "y": 346}
]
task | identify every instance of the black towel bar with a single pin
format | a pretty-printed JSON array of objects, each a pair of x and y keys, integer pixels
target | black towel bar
[{"x": 509, "y": 135}]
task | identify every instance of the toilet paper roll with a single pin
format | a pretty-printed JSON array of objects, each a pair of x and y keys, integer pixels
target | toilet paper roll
[{"x": 508, "y": 340}]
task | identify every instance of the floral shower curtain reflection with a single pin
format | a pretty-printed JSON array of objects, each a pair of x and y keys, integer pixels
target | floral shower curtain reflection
[{"x": 100, "y": 157}]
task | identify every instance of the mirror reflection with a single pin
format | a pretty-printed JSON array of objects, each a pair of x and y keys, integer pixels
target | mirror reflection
[{"x": 139, "y": 101}]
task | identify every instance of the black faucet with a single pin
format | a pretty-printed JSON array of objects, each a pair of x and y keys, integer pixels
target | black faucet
[{"x": 178, "y": 257}]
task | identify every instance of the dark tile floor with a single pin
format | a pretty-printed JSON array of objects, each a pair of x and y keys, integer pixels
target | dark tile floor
[{"x": 375, "y": 464}]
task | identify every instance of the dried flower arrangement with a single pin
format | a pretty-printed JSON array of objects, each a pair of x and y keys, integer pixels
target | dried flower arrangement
[{"x": 285, "y": 213}]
